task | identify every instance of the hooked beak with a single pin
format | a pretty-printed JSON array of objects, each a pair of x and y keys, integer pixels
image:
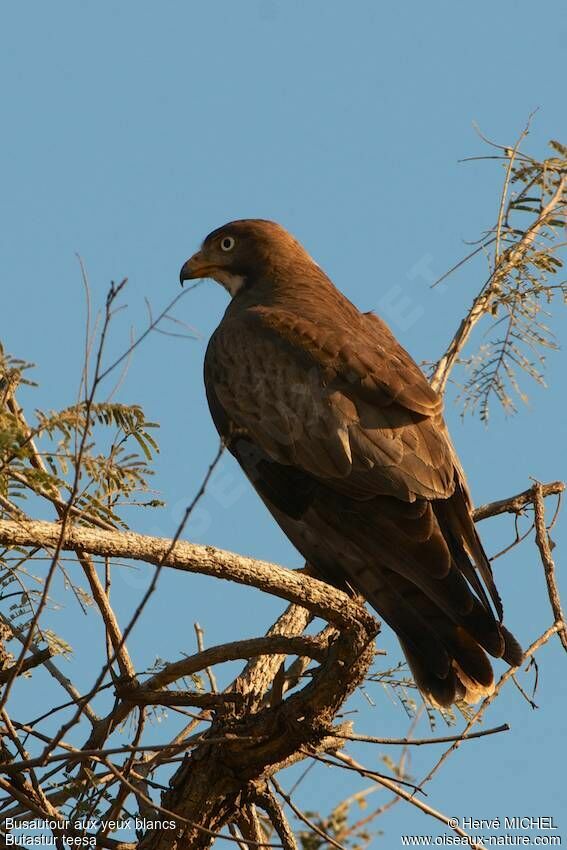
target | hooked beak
[{"x": 196, "y": 266}]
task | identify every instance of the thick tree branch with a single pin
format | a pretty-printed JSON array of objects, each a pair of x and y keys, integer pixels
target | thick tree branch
[
  {"x": 144, "y": 696},
  {"x": 323, "y": 600},
  {"x": 260, "y": 673},
  {"x": 279, "y": 733},
  {"x": 268, "y": 802},
  {"x": 254, "y": 745},
  {"x": 313, "y": 647}
]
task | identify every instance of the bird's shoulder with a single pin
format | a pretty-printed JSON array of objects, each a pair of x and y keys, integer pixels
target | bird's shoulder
[{"x": 352, "y": 349}]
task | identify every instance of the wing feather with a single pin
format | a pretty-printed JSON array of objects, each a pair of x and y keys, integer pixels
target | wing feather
[
  {"x": 344, "y": 440},
  {"x": 308, "y": 411}
]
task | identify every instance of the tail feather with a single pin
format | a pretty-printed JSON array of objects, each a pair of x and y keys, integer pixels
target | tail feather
[
  {"x": 470, "y": 677},
  {"x": 439, "y": 692},
  {"x": 458, "y": 529},
  {"x": 513, "y": 653}
]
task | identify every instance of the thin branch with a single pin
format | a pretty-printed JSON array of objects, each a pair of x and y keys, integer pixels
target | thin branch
[
  {"x": 351, "y": 764},
  {"x": 18, "y": 794},
  {"x": 152, "y": 325},
  {"x": 76, "y": 755},
  {"x": 51, "y": 668},
  {"x": 515, "y": 504},
  {"x": 234, "y": 832},
  {"x": 108, "y": 616},
  {"x": 65, "y": 513},
  {"x": 60, "y": 503},
  {"x": 462, "y": 262},
  {"x": 511, "y": 159},
  {"x": 503, "y": 265},
  {"x": 542, "y": 540},
  {"x": 417, "y": 742},
  {"x": 298, "y": 813},
  {"x": 11, "y": 732},
  {"x": 199, "y": 634}
]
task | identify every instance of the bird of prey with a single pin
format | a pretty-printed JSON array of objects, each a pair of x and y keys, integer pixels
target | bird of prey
[{"x": 344, "y": 440}]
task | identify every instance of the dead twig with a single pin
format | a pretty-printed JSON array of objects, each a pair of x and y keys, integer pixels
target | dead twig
[
  {"x": 302, "y": 817},
  {"x": 417, "y": 742},
  {"x": 515, "y": 504},
  {"x": 543, "y": 544}
]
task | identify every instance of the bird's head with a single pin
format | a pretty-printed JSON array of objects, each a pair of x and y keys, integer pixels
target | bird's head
[{"x": 243, "y": 252}]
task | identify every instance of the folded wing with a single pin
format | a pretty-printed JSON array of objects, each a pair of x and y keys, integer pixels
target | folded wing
[{"x": 344, "y": 440}]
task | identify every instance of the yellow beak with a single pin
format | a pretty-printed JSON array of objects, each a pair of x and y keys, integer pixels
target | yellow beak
[{"x": 196, "y": 266}]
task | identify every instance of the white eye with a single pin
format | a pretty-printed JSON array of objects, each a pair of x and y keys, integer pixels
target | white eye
[{"x": 227, "y": 243}]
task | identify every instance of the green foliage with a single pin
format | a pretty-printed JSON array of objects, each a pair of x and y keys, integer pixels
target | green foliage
[
  {"x": 12, "y": 373},
  {"x": 525, "y": 245},
  {"x": 399, "y": 685},
  {"x": 38, "y": 462},
  {"x": 115, "y": 462},
  {"x": 337, "y": 826}
]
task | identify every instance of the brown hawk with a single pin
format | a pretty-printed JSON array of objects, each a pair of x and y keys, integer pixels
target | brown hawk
[{"x": 344, "y": 440}]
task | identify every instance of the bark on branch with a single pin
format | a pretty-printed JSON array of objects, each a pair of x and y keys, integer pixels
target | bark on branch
[
  {"x": 251, "y": 735},
  {"x": 515, "y": 504},
  {"x": 324, "y": 601}
]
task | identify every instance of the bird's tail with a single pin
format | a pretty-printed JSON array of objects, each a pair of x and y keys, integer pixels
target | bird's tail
[{"x": 470, "y": 677}]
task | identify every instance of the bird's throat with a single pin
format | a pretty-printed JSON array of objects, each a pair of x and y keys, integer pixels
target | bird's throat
[{"x": 233, "y": 283}]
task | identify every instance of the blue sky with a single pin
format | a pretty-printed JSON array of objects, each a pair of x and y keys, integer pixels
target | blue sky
[{"x": 132, "y": 129}]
